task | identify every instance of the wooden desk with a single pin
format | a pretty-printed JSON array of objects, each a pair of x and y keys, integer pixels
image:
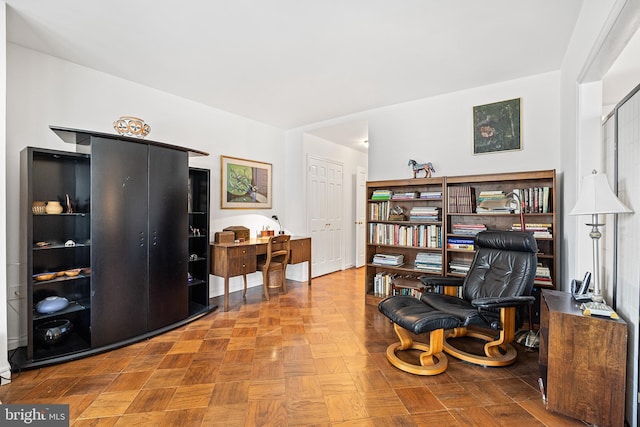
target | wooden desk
[
  {"x": 235, "y": 259},
  {"x": 582, "y": 361}
]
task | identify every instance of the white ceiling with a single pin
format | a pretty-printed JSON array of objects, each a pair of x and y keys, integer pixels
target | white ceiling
[{"x": 291, "y": 63}]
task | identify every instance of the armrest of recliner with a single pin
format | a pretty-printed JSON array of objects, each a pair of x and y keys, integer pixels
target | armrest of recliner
[
  {"x": 499, "y": 302},
  {"x": 441, "y": 281}
]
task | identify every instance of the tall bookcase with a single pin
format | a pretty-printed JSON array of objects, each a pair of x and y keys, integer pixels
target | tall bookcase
[
  {"x": 404, "y": 233},
  {"x": 460, "y": 218}
]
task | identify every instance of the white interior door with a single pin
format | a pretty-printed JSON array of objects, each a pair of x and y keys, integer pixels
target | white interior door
[
  {"x": 361, "y": 189},
  {"x": 324, "y": 193}
]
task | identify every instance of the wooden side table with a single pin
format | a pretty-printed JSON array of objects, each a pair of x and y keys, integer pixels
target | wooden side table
[{"x": 582, "y": 361}]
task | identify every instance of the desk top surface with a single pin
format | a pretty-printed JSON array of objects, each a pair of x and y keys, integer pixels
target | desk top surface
[
  {"x": 254, "y": 241},
  {"x": 563, "y": 302}
]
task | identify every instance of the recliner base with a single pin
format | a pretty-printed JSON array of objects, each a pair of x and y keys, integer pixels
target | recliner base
[{"x": 433, "y": 361}]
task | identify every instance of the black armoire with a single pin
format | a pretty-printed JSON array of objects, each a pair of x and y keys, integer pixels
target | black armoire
[{"x": 131, "y": 221}]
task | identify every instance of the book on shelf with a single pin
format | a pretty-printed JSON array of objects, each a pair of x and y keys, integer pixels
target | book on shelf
[
  {"x": 423, "y": 235},
  {"x": 543, "y": 276},
  {"x": 388, "y": 259},
  {"x": 461, "y": 199},
  {"x": 535, "y": 199},
  {"x": 459, "y": 266},
  {"x": 382, "y": 284},
  {"x": 405, "y": 195},
  {"x": 467, "y": 229},
  {"x": 379, "y": 211},
  {"x": 424, "y": 213},
  {"x": 428, "y": 261},
  {"x": 460, "y": 243},
  {"x": 431, "y": 195},
  {"x": 381, "y": 195},
  {"x": 540, "y": 230}
]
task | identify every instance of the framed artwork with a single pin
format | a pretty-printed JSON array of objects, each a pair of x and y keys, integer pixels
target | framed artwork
[
  {"x": 496, "y": 127},
  {"x": 245, "y": 184}
]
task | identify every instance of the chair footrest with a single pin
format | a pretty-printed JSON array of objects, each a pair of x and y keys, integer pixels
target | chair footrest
[{"x": 415, "y": 316}]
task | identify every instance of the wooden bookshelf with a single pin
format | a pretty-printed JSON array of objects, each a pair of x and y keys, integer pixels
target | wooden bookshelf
[
  {"x": 468, "y": 188},
  {"x": 417, "y": 234}
]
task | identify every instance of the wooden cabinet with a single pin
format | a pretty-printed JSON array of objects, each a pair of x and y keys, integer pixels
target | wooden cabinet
[
  {"x": 124, "y": 233},
  {"x": 404, "y": 226},
  {"x": 198, "y": 203},
  {"x": 582, "y": 361},
  {"x": 459, "y": 219}
]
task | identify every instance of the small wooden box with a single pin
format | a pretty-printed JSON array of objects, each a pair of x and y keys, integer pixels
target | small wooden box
[
  {"x": 224, "y": 237},
  {"x": 241, "y": 233}
]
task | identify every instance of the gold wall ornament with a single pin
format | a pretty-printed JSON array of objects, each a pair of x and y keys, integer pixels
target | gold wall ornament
[{"x": 131, "y": 126}]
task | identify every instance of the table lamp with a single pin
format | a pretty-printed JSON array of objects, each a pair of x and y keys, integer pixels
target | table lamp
[{"x": 596, "y": 197}]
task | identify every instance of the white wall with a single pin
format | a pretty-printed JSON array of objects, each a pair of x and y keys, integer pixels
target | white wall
[
  {"x": 43, "y": 90},
  {"x": 5, "y": 369}
]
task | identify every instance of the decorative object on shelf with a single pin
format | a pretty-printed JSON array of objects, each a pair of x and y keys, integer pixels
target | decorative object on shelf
[
  {"x": 496, "y": 127},
  {"x": 68, "y": 204},
  {"x": 427, "y": 168},
  {"x": 73, "y": 272},
  {"x": 53, "y": 207},
  {"x": 52, "y": 304},
  {"x": 246, "y": 184},
  {"x": 69, "y": 243},
  {"x": 44, "y": 276},
  {"x": 131, "y": 126},
  {"x": 53, "y": 332},
  {"x": 396, "y": 213},
  {"x": 596, "y": 197},
  {"x": 38, "y": 207}
]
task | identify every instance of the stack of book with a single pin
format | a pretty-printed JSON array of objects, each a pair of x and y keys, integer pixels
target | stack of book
[
  {"x": 461, "y": 199},
  {"x": 459, "y": 266},
  {"x": 388, "y": 259},
  {"x": 431, "y": 195},
  {"x": 428, "y": 261},
  {"x": 408, "y": 195},
  {"x": 424, "y": 213},
  {"x": 543, "y": 277},
  {"x": 495, "y": 202},
  {"x": 540, "y": 231},
  {"x": 381, "y": 195},
  {"x": 467, "y": 229},
  {"x": 460, "y": 244}
]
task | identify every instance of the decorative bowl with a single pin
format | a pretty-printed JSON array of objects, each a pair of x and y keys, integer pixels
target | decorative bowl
[
  {"x": 51, "y": 305},
  {"x": 44, "y": 276},
  {"x": 131, "y": 126},
  {"x": 53, "y": 207},
  {"x": 38, "y": 207},
  {"x": 53, "y": 332},
  {"x": 73, "y": 272}
]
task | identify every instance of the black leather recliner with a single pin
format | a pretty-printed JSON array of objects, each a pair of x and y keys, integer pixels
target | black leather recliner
[{"x": 499, "y": 282}]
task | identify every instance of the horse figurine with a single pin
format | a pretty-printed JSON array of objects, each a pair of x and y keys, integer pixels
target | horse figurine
[{"x": 417, "y": 167}]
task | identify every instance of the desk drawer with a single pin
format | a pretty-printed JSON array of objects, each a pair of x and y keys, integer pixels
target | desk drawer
[
  {"x": 300, "y": 251},
  {"x": 229, "y": 261},
  {"x": 242, "y": 260}
]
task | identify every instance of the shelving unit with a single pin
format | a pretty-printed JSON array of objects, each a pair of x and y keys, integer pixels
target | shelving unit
[
  {"x": 198, "y": 279},
  {"x": 402, "y": 235},
  {"x": 49, "y": 236},
  {"x": 453, "y": 212},
  {"x": 121, "y": 256}
]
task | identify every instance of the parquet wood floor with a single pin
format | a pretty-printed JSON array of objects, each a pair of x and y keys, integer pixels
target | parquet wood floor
[{"x": 315, "y": 356}]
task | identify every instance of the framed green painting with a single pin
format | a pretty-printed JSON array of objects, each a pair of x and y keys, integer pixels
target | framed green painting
[{"x": 245, "y": 184}]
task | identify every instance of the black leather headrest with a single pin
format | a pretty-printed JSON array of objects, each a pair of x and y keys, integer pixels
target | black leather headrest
[{"x": 521, "y": 241}]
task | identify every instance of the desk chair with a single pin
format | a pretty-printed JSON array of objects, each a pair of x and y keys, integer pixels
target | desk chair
[
  {"x": 498, "y": 283},
  {"x": 276, "y": 259}
]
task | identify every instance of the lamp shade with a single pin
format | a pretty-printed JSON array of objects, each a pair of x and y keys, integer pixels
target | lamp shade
[{"x": 596, "y": 197}]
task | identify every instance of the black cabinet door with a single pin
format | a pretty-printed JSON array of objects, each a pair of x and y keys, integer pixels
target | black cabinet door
[
  {"x": 119, "y": 240},
  {"x": 168, "y": 234}
]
